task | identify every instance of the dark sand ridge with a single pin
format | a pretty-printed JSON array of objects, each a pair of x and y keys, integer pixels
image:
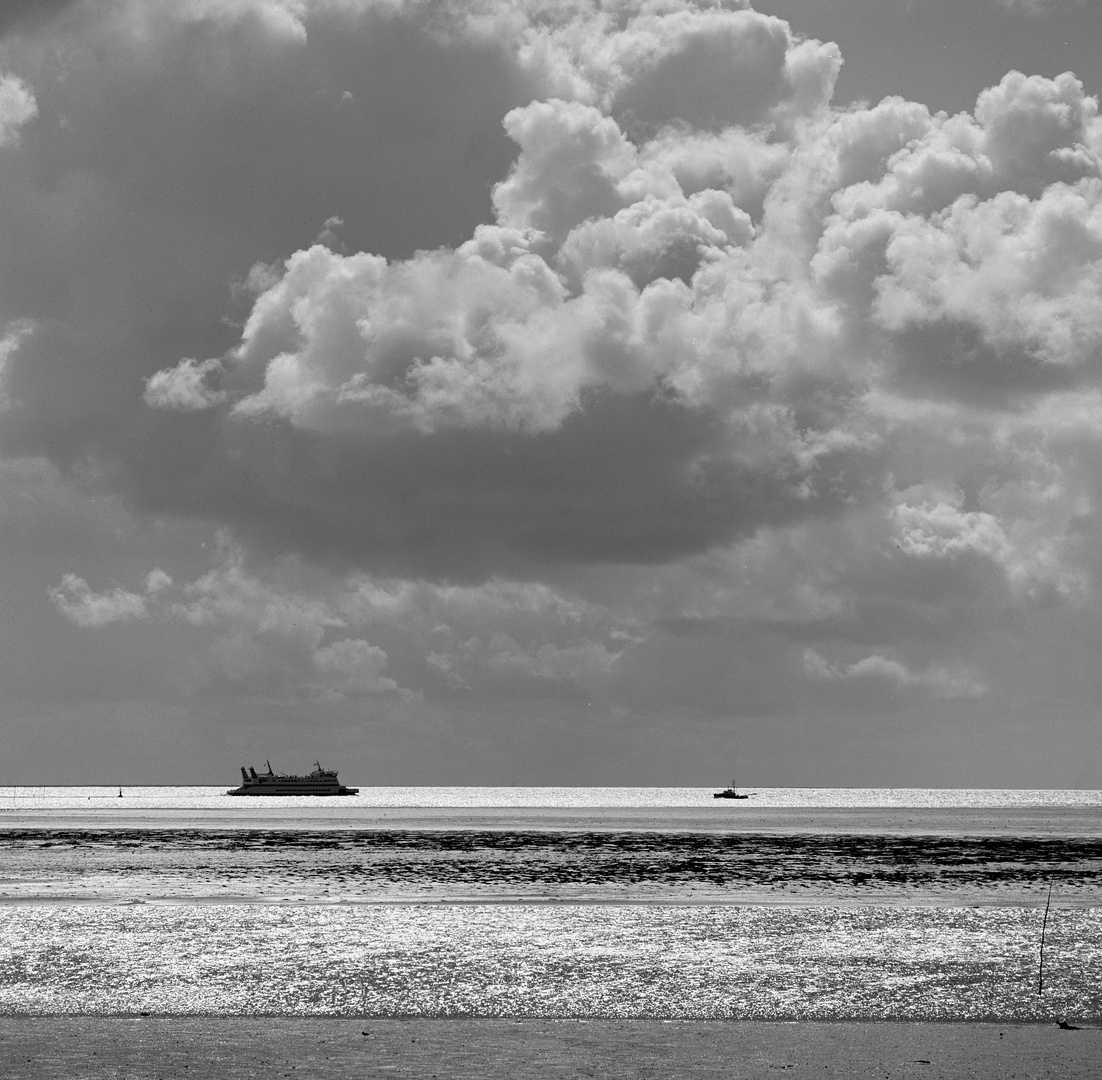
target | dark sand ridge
[
  {"x": 247, "y": 814},
  {"x": 67, "y": 1048},
  {"x": 495, "y": 866}
]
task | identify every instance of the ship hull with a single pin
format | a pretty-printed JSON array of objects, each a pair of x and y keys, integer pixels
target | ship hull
[{"x": 292, "y": 789}]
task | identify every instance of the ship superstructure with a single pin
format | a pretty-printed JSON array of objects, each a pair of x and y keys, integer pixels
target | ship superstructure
[{"x": 319, "y": 782}]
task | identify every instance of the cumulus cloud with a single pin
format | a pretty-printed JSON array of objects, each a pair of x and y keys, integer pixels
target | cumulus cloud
[
  {"x": 602, "y": 279},
  {"x": 260, "y": 634},
  {"x": 653, "y": 65},
  {"x": 621, "y": 350},
  {"x": 17, "y": 107},
  {"x": 358, "y": 340},
  {"x": 943, "y": 529},
  {"x": 276, "y": 630},
  {"x": 572, "y": 161},
  {"x": 355, "y": 667},
  {"x": 693, "y": 319},
  {"x": 1022, "y": 275},
  {"x": 185, "y": 386},
  {"x": 1037, "y": 559},
  {"x": 475, "y": 635},
  {"x": 80, "y": 605},
  {"x": 718, "y": 69},
  {"x": 613, "y": 309}
]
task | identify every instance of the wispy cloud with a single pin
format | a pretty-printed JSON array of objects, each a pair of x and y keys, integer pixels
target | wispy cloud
[
  {"x": 1037, "y": 8},
  {"x": 939, "y": 681}
]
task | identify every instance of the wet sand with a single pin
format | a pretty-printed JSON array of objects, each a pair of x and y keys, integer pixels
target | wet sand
[
  {"x": 67, "y": 1048},
  {"x": 326, "y": 866},
  {"x": 721, "y": 818},
  {"x": 200, "y": 1045},
  {"x": 551, "y": 962}
]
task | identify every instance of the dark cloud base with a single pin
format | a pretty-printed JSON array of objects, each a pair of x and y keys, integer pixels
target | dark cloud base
[{"x": 625, "y": 479}]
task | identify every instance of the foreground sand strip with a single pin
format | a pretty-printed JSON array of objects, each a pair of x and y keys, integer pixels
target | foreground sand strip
[{"x": 66, "y": 1048}]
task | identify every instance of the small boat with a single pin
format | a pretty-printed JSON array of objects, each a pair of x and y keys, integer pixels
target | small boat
[
  {"x": 730, "y": 793},
  {"x": 319, "y": 782}
]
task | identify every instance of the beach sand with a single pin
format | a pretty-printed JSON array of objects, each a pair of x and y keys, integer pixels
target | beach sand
[
  {"x": 201, "y": 1047},
  {"x": 66, "y": 1048}
]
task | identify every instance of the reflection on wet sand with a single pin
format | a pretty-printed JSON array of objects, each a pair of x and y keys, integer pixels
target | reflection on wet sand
[
  {"x": 875, "y": 912},
  {"x": 562, "y": 960}
]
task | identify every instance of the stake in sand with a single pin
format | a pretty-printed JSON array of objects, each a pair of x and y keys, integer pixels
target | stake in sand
[{"x": 1041, "y": 958}]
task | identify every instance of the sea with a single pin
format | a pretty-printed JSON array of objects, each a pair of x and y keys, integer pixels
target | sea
[{"x": 555, "y": 903}]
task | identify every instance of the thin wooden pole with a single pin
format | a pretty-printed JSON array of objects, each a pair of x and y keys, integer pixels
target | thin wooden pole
[{"x": 1041, "y": 958}]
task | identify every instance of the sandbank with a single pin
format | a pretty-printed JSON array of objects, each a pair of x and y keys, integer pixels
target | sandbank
[{"x": 66, "y": 1048}]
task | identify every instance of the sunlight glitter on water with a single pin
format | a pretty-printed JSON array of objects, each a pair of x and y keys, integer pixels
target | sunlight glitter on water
[
  {"x": 551, "y": 961},
  {"x": 215, "y": 798}
]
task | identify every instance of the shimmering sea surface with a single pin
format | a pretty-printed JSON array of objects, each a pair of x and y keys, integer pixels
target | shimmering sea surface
[
  {"x": 29, "y": 797},
  {"x": 562, "y": 902}
]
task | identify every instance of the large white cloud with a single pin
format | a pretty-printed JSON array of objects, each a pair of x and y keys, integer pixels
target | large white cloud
[
  {"x": 713, "y": 357},
  {"x": 446, "y": 338},
  {"x": 814, "y": 298},
  {"x": 601, "y": 276}
]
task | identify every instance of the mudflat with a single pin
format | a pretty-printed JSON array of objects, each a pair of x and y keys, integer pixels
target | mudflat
[
  {"x": 64, "y": 1047},
  {"x": 489, "y": 866}
]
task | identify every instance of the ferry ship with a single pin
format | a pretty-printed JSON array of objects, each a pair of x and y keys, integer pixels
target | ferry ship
[{"x": 319, "y": 782}]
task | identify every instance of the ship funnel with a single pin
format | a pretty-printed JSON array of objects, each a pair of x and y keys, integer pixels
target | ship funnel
[
  {"x": 252, "y": 772},
  {"x": 244, "y": 775}
]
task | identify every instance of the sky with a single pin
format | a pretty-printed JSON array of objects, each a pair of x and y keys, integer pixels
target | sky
[{"x": 551, "y": 392}]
